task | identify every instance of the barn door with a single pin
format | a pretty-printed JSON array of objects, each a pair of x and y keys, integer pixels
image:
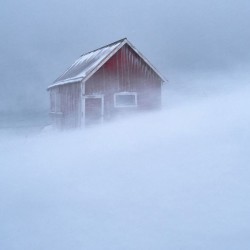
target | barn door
[{"x": 93, "y": 109}]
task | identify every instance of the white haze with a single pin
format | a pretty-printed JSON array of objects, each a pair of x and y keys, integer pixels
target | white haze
[
  {"x": 41, "y": 39},
  {"x": 176, "y": 179}
]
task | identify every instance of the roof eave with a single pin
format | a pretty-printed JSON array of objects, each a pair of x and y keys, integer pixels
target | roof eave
[
  {"x": 101, "y": 63},
  {"x": 65, "y": 82}
]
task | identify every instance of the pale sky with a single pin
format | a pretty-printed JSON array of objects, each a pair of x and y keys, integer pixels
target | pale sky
[{"x": 39, "y": 40}]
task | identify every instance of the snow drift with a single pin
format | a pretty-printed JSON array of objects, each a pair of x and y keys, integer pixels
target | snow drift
[{"x": 177, "y": 179}]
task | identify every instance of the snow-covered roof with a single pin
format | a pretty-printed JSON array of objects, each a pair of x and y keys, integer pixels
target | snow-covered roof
[{"x": 89, "y": 63}]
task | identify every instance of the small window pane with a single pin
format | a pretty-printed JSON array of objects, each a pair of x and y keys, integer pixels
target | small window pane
[{"x": 125, "y": 100}]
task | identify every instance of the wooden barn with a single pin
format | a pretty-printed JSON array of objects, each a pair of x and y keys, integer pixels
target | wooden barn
[{"x": 105, "y": 83}]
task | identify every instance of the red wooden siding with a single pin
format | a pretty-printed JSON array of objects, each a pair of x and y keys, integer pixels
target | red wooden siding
[{"x": 126, "y": 72}]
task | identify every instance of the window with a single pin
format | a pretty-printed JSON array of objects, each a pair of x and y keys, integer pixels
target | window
[{"x": 125, "y": 100}]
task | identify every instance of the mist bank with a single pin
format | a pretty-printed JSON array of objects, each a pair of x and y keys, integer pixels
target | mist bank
[
  {"x": 181, "y": 86},
  {"x": 38, "y": 42},
  {"x": 176, "y": 179}
]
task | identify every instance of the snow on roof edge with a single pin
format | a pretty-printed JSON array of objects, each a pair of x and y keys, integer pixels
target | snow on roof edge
[
  {"x": 85, "y": 54},
  {"x": 64, "y": 82},
  {"x": 105, "y": 59},
  {"x": 122, "y": 42}
]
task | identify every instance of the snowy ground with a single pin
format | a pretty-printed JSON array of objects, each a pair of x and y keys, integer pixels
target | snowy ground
[{"x": 177, "y": 179}]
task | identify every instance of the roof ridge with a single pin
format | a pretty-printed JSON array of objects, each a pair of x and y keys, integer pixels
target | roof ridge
[
  {"x": 110, "y": 44},
  {"x": 87, "y": 64}
]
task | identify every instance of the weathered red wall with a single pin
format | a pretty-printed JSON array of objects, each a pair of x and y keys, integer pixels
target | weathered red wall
[{"x": 123, "y": 72}]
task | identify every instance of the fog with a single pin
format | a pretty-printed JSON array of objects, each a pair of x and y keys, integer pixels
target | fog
[
  {"x": 40, "y": 39},
  {"x": 176, "y": 179},
  {"x": 173, "y": 179}
]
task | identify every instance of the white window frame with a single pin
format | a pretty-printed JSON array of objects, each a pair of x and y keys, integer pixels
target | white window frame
[{"x": 123, "y": 94}]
